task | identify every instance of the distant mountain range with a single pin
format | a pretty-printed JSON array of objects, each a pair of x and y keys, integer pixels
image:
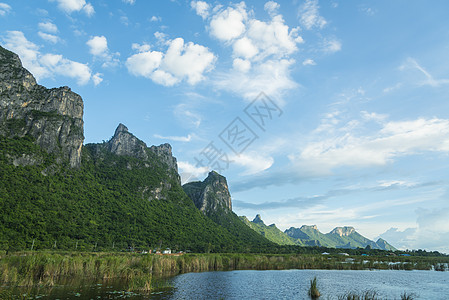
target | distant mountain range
[{"x": 339, "y": 237}]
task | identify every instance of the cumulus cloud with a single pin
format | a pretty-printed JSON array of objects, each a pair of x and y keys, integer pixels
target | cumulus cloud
[
  {"x": 229, "y": 23},
  {"x": 181, "y": 61},
  {"x": 98, "y": 47},
  {"x": 394, "y": 139},
  {"x": 431, "y": 233},
  {"x": 201, "y": 8},
  {"x": 70, "y": 6},
  {"x": 261, "y": 50},
  {"x": 4, "y": 9},
  {"x": 129, "y": 1},
  {"x": 45, "y": 65},
  {"x": 309, "y": 15}
]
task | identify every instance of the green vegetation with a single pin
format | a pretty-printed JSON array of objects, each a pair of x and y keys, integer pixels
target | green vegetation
[
  {"x": 271, "y": 232},
  {"x": 314, "y": 293},
  {"x": 365, "y": 295},
  {"x": 103, "y": 205}
]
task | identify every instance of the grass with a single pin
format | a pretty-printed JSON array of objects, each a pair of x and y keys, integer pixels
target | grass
[
  {"x": 314, "y": 293},
  {"x": 45, "y": 268},
  {"x": 365, "y": 295}
]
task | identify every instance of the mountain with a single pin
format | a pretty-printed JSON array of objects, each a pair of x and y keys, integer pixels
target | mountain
[
  {"x": 339, "y": 237},
  {"x": 270, "y": 232},
  {"x": 213, "y": 199},
  {"x": 56, "y": 192},
  {"x": 52, "y": 117}
]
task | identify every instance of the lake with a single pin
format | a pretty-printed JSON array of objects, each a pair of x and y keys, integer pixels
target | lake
[{"x": 288, "y": 284}]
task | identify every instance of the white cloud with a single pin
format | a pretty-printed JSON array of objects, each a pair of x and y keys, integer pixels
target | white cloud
[
  {"x": 272, "y": 77},
  {"x": 430, "y": 80},
  {"x": 187, "y": 138},
  {"x": 309, "y": 15},
  {"x": 155, "y": 19},
  {"x": 189, "y": 172},
  {"x": 129, "y": 1},
  {"x": 241, "y": 65},
  {"x": 394, "y": 139},
  {"x": 49, "y": 37},
  {"x": 48, "y": 27},
  {"x": 331, "y": 46},
  {"x": 141, "y": 48},
  {"x": 308, "y": 62},
  {"x": 245, "y": 48},
  {"x": 4, "y": 9},
  {"x": 431, "y": 232},
  {"x": 229, "y": 23},
  {"x": 98, "y": 47},
  {"x": 201, "y": 8},
  {"x": 253, "y": 162},
  {"x": 180, "y": 62},
  {"x": 45, "y": 65},
  {"x": 261, "y": 50},
  {"x": 271, "y": 7},
  {"x": 70, "y": 6},
  {"x": 97, "y": 79}
]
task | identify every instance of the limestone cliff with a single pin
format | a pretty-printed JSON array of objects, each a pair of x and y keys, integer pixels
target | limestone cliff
[
  {"x": 210, "y": 195},
  {"x": 53, "y": 117},
  {"x": 124, "y": 143}
]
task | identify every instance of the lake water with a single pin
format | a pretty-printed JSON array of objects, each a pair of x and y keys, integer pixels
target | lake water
[{"x": 288, "y": 284}]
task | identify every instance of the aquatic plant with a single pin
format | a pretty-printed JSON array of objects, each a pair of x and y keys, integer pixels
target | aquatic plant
[
  {"x": 314, "y": 293},
  {"x": 365, "y": 295},
  {"x": 405, "y": 296}
]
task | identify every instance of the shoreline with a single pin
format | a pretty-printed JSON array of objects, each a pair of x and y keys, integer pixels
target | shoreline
[{"x": 45, "y": 268}]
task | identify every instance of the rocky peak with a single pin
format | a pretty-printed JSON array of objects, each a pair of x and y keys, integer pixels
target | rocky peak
[
  {"x": 343, "y": 231},
  {"x": 125, "y": 143},
  {"x": 210, "y": 195},
  {"x": 53, "y": 117},
  {"x": 310, "y": 227},
  {"x": 258, "y": 220}
]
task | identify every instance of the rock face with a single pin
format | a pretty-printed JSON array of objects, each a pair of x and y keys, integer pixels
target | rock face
[
  {"x": 343, "y": 231},
  {"x": 210, "y": 195},
  {"x": 53, "y": 117},
  {"x": 125, "y": 143}
]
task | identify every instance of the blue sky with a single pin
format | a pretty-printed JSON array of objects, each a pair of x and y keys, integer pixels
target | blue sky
[{"x": 331, "y": 113}]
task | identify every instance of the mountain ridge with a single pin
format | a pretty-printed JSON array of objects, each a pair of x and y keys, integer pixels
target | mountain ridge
[{"x": 309, "y": 235}]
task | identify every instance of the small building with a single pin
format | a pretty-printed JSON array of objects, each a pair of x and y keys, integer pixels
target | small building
[
  {"x": 166, "y": 251},
  {"x": 325, "y": 253},
  {"x": 344, "y": 254}
]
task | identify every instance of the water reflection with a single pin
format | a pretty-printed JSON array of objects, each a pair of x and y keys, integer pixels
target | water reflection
[{"x": 288, "y": 284}]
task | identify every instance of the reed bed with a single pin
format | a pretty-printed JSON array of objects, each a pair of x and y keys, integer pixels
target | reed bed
[{"x": 139, "y": 270}]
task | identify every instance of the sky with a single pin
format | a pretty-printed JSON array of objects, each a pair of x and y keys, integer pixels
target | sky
[{"x": 332, "y": 113}]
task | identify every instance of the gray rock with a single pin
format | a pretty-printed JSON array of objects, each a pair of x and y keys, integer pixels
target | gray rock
[
  {"x": 53, "y": 117},
  {"x": 210, "y": 195}
]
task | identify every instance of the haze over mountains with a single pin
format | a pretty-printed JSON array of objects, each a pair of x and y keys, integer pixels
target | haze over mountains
[{"x": 339, "y": 237}]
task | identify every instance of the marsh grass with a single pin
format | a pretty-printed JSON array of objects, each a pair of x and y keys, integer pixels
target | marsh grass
[
  {"x": 314, "y": 293},
  {"x": 365, "y": 295}
]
